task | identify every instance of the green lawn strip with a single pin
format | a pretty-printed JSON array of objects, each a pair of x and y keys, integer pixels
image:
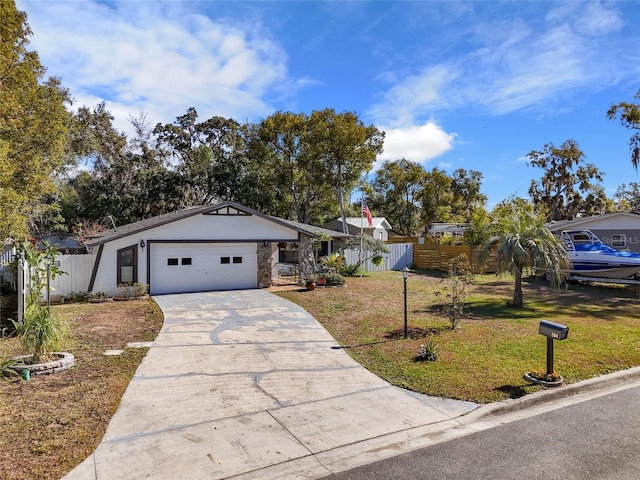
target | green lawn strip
[{"x": 485, "y": 360}]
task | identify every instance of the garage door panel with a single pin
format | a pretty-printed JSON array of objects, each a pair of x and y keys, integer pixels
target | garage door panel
[{"x": 178, "y": 268}]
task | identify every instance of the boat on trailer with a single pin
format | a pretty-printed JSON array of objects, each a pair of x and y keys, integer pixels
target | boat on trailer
[{"x": 593, "y": 259}]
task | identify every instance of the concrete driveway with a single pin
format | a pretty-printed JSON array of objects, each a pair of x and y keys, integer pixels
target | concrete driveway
[{"x": 245, "y": 384}]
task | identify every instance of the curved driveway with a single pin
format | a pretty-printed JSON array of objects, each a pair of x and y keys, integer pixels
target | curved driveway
[{"x": 245, "y": 384}]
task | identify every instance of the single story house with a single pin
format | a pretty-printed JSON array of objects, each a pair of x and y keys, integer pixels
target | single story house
[
  {"x": 379, "y": 229},
  {"x": 448, "y": 229},
  {"x": 620, "y": 230},
  {"x": 225, "y": 246}
]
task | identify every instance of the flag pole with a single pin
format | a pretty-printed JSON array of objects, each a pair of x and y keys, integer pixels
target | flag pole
[{"x": 361, "y": 230}]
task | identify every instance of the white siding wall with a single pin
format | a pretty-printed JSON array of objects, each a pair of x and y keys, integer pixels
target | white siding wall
[
  {"x": 198, "y": 227},
  {"x": 380, "y": 234}
]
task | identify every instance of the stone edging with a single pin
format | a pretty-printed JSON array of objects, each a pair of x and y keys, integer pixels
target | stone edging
[{"x": 64, "y": 362}]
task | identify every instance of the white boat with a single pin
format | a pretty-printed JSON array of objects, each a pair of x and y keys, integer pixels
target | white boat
[{"x": 591, "y": 258}]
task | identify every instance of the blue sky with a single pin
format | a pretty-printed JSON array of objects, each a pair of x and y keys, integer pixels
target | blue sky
[{"x": 473, "y": 85}]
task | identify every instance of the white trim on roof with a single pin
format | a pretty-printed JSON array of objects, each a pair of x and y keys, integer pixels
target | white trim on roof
[
  {"x": 361, "y": 222},
  {"x": 559, "y": 225}
]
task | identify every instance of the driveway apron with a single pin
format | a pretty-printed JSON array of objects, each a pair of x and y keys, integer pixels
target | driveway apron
[{"x": 245, "y": 384}]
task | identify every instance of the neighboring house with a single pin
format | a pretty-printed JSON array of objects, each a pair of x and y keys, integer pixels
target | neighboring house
[
  {"x": 620, "y": 230},
  {"x": 65, "y": 243},
  {"x": 448, "y": 229},
  {"x": 379, "y": 230},
  {"x": 213, "y": 247}
]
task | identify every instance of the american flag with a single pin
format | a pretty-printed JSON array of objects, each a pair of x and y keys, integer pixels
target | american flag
[{"x": 367, "y": 213}]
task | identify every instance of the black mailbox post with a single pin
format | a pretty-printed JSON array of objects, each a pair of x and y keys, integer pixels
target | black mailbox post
[{"x": 553, "y": 331}]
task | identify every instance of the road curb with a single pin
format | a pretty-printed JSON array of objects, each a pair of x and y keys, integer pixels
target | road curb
[{"x": 593, "y": 384}]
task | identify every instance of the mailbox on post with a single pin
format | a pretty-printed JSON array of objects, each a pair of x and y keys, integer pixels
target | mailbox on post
[{"x": 553, "y": 330}]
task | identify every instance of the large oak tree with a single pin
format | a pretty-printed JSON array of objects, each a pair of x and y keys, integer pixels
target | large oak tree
[
  {"x": 569, "y": 186},
  {"x": 629, "y": 115}
]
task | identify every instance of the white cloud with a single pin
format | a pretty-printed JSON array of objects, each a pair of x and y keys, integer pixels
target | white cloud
[
  {"x": 417, "y": 143},
  {"x": 414, "y": 95},
  {"x": 157, "y": 58},
  {"x": 514, "y": 64}
]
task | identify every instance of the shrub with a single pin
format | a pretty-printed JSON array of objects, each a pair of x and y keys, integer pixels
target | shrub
[
  {"x": 125, "y": 290},
  {"x": 349, "y": 270},
  {"x": 330, "y": 278},
  {"x": 332, "y": 262},
  {"x": 334, "y": 279},
  {"x": 99, "y": 295},
  {"x": 140, "y": 289},
  {"x": 460, "y": 275},
  {"x": 76, "y": 297},
  {"x": 40, "y": 333},
  {"x": 130, "y": 290},
  {"x": 428, "y": 352}
]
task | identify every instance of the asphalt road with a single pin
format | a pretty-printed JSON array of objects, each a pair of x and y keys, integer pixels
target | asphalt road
[{"x": 596, "y": 439}]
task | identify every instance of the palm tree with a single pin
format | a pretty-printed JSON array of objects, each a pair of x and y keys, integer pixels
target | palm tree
[{"x": 520, "y": 239}]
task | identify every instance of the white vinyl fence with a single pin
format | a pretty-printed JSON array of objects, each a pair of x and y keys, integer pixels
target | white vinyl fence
[
  {"x": 7, "y": 257},
  {"x": 78, "y": 269},
  {"x": 400, "y": 255}
]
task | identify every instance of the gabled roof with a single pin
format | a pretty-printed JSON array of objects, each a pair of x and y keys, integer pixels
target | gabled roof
[
  {"x": 314, "y": 231},
  {"x": 442, "y": 227},
  {"x": 361, "y": 222},
  {"x": 149, "y": 223},
  {"x": 559, "y": 225}
]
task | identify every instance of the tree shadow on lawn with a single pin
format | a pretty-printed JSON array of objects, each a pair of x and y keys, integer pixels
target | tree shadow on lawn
[
  {"x": 415, "y": 332},
  {"x": 513, "y": 391},
  {"x": 369, "y": 344},
  {"x": 487, "y": 310}
]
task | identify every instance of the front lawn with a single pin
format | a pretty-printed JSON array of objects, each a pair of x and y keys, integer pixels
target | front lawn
[
  {"x": 51, "y": 423},
  {"x": 485, "y": 360}
]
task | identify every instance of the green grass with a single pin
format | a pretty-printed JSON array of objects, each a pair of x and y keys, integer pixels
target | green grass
[{"x": 486, "y": 359}]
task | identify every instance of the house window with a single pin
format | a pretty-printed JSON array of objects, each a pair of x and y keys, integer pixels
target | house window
[
  {"x": 237, "y": 259},
  {"x": 128, "y": 265},
  {"x": 225, "y": 260},
  {"x": 172, "y": 261},
  {"x": 186, "y": 261},
  {"x": 619, "y": 240}
]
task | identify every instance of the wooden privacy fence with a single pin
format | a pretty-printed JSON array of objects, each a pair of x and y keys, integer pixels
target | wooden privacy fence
[{"x": 430, "y": 255}]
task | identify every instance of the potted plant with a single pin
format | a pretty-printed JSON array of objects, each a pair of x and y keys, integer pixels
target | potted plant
[{"x": 311, "y": 281}]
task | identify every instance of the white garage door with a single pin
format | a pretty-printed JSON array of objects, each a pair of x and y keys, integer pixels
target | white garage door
[{"x": 202, "y": 267}]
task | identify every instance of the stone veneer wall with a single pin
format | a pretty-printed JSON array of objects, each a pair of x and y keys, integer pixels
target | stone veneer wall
[
  {"x": 306, "y": 259},
  {"x": 264, "y": 265}
]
